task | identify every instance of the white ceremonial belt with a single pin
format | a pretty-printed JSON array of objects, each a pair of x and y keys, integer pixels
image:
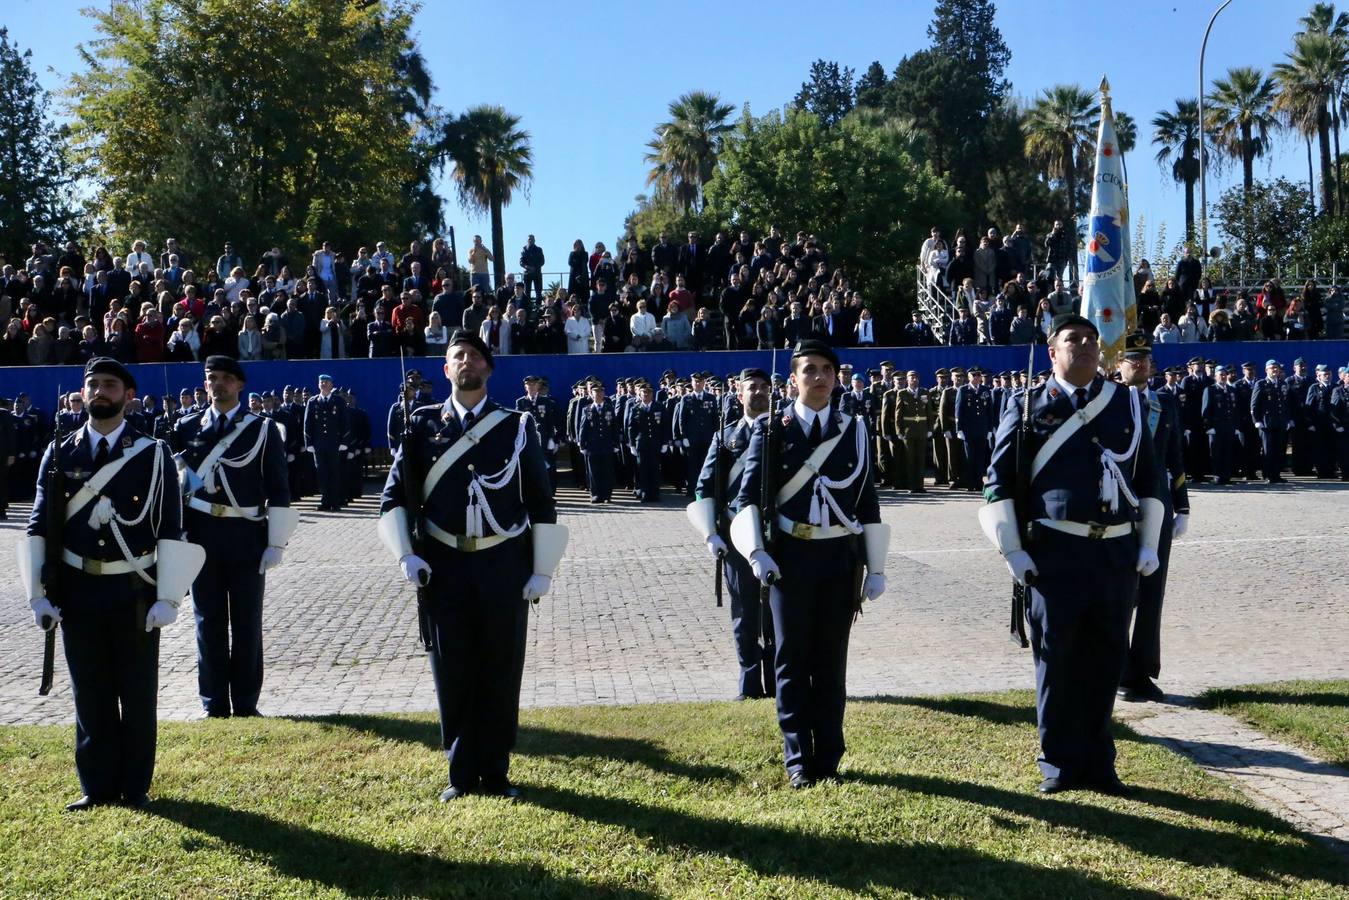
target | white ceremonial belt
[
  {"x": 802, "y": 531},
  {"x": 112, "y": 567},
  {"x": 223, "y": 510},
  {"x": 464, "y": 544},
  {"x": 1092, "y": 530}
]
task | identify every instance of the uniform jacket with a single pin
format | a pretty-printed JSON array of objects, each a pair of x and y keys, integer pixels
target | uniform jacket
[
  {"x": 1169, "y": 451},
  {"x": 598, "y": 428},
  {"x": 1270, "y": 405},
  {"x": 262, "y": 482},
  {"x": 327, "y": 423}
]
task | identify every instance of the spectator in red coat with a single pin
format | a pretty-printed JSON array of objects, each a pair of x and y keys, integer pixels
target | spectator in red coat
[
  {"x": 407, "y": 309},
  {"x": 150, "y": 338},
  {"x": 682, "y": 295}
]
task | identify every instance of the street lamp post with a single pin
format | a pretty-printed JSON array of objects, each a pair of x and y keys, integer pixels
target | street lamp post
[{"x": 1203, "y": 184}]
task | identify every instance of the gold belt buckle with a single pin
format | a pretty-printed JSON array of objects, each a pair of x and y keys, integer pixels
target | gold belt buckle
[
  {"x": 467, "y": 544},
  {"x": 217, "y": 509},
  {"x": 1095, "y": 532},
  {"x": 92, "y": 566},
  {"x": 801, "y": 530}
]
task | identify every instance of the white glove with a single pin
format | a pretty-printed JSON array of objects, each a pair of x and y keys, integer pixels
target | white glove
[
  {"x": 1180, "y": 526},
  {"x": 1290, "y": 424},
  {"x": 716, "y": 546},
  {"x": 341, "y": 447},
  {"x": 1187, "y": 434},
  {"x": 873, "y": 586},
  {"x": 1147, "y": 561},
  {"x": 42, "y": 607},
  {"x": 161, "y": 614},
  {"x": 684, "y": 442},
  {"x": 308, "y": 449},
  {"x": 1020, "y": 564},
  {"x": 290, "y": 457},
  {"x": 946, "y": 434},
  {"x": 537, "y": 586},
  {"x": 415, "y": 570},
  {"x": 1259, "y": 424},
  {"x": 552, "y": 445},
  {"x": 351, "y": 455},
  {"x": 1213, "y": 431},
  {"x": 961, "y": 435},
  {"x": 929, "y": 434},
  {"x": 762, "y": 565},
  {"x": 1311, "y": 427},
  {"x": 271, "y": 558}
]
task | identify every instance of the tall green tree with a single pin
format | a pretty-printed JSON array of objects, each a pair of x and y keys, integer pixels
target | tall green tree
[
  {"x": 260, "y": 123},
  {"x": 1241, "y": 117},
  {"x": 1323, "y": 19},
  {"x": 965, "y": 31},
  {"x": 491, "y": 160},
  {"x": 1060, "y": 132},
  {"x": 1308, "y": 85},
  {"x": 1176, "y": 136},
  {"x": 870, "y": 90},
  {"x": 1126, "y": 131},
  {"x": 857, "y": 186},
  {"x": 1271, "y": 221},
  {"x": 684, "y": 152},
  {"x": 36, "y": 197},
  {"x": 828, "y": 92}
]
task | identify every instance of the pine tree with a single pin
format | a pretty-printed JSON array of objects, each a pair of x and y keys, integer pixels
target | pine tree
[
  {"x": 36, "y": 197},
  {"x": 829, "y": 92},
  {"x": 870, "y": 90}
]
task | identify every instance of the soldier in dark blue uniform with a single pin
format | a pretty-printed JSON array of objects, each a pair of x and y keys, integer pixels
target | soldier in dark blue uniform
[
  {"x": 579, "y": 398},
  {"x": 1221, "y": 425},
  {"x": 489, "y": 546},
  {"x": 545, "y": 419},
  {"x": 696, "y": 421},
  {"x": 1248, "y": 453},
  {"x": 1272, "y": 414},
  {"x": 70, "y": 420},
  {"x": 1161, "y": 415},
  {"x": 232, "y": 467},
  {"x": 597, "y": 432},
  {"x": 358, "y": 453},
  {"x": 726, "y": 459},
  {"x": 1339, "y": 418},
  {"x": 1091, "y": 521},
  {"x": 643, "y": 434},
  {"x": 7, "y": 453},
  {"x": 326, "y": 433},
  {"x": 124, "y": 574},
  {"x": 1300, "y": 437},
  {"x": 826, "y": 529},
  {"x": 1319, "y": 424},
  {"x": 1191, "y": 393},
  {"x": 974, "y": 423},
  {"x": 31, "y": 434}
]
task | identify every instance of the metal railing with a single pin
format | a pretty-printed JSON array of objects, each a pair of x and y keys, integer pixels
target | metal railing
[{"x": 938, "y": 309}]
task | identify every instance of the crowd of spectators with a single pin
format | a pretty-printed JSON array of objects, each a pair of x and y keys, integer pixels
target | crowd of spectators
[
  {"x": 999, "y": 295},
  {"x": 731, "y": 293}
]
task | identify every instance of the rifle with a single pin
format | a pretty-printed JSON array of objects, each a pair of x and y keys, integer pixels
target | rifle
[
  {"x": 768, "y": 508},
  {"x": 54, "y": 493},
  {"x": 411, "y": 477},
  {"x": 1020, "y": 502},
  {"x": 454, "y": 254},
  {"x": 718, "y": 488}
]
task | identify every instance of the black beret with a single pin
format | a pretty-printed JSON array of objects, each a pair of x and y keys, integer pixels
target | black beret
[
  {"x": 226, "y": 364},
  {"x": 1064, "y": 320},
  {"x": 1137, "y": 343},
  {"x": 812, "y": 347},
  {"x": 752, "y": 372},
  {"x": 1195, "y": 361},
  {"x": 106, "y": 365},
  {"x": 463, "y": 336}
]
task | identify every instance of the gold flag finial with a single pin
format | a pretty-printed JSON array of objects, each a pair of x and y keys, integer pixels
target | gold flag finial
[{"x": 1105, "y": 87}]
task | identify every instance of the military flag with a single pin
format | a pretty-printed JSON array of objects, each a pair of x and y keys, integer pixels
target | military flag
[{"x": 1108, "y": 289}]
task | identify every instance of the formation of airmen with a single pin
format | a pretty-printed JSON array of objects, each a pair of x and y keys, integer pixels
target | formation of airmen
[{"x": 1084, "y": 477}]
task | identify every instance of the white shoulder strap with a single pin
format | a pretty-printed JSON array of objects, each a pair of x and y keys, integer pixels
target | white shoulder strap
[
  {"x": 213, "y": 458},
  {"x": 1070, "y": 427},
  {"x": 466, "y": 441},
  {"x": 811, "y": 466},
  {"x": 95, "y": 485}
]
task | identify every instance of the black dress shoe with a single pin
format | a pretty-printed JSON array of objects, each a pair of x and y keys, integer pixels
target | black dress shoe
[
  {"x": 85, "y": 802},
  {"x": 1053, "y": 786},
  {"x": 1110, "y": 785},
  {"x": 247, "y": 714},
  {"x": 452, "y": 793},
  {"x": 800, "y": 781},
  {"x": 494, "y": 787},
  {"x": 831, "y": 776},
  {"x": 1141, "y": 691},
  {"x": 140, "y": 801}
]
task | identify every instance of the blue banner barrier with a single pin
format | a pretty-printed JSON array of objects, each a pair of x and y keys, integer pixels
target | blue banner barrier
[{"x": 375, "y": 381}]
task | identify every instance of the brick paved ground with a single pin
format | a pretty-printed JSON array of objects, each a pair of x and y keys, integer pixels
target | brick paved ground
[{"x": 1259, "y": 591}]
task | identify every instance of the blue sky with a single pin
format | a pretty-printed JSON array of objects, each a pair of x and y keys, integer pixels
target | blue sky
[{"x": 590, "y": 81}]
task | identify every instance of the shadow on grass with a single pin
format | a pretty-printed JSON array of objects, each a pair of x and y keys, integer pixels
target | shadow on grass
[
  {"x": 992, "y": 711},
  {"x": 542, "y": 742},
  {"x": 361, "y": 869},
  {"x": 1233, "y": 696}
]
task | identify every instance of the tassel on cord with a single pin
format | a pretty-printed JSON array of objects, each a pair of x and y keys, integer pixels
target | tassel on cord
[
  {"x": 479, "y": 513},
  {"x": 1113, "y": 482},
  {"x": 101, "y": 514},
  {"x": 823, "y": 498}
]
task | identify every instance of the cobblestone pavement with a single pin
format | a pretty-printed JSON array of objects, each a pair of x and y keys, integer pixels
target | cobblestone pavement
[{"x": 1259, "y": 591}]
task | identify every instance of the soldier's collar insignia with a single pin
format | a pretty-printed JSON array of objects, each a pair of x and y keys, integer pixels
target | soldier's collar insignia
[
  {"x": 787, "y": 420},
  {"x": 126, "y": 441},
  {"x": 1053, "y": 393},
  {"x": 1048, "y": 419}
]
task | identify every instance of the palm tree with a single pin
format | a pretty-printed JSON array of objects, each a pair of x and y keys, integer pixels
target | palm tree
[
  {"x": 1322, "y": 19},
  {"x": 492, "y": 159},
  {"x": 1308, "y": 82},
  {"x": 1060, "y": 133},
  {"x": 1126, "y": 131},
  {"x": 683, "y": 154},
  {"x": 1241, "y": 117},
  {"x": 1176, "y": 134}
]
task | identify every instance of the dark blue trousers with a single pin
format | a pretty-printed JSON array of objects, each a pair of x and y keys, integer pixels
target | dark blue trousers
[
  {"x": 1221, "y": 453},
  {"x": 975, "y": 465},
  {"x": 754, "y": 654},
  {"x": 1274, "y": 447},
  {"x": 812, "y": 609},
  {"x": 328, "y": 465},
  {"x": 694, "y": 456},
  {"x": 1079, "y": 623},
  {"x": 600, "y": 475},
  {"x": 646, "y": 482},
  {"x": 227, "y": 603},
  {"x": 1144, "y": 659},
  {"x": 114, "y": 680},
  {"x": 479, "y": 622}
]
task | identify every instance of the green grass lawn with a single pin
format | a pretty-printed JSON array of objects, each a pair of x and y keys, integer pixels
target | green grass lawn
[
  {"x": 1314, "y": 715},
  {"x": 676, "y": 800}
]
